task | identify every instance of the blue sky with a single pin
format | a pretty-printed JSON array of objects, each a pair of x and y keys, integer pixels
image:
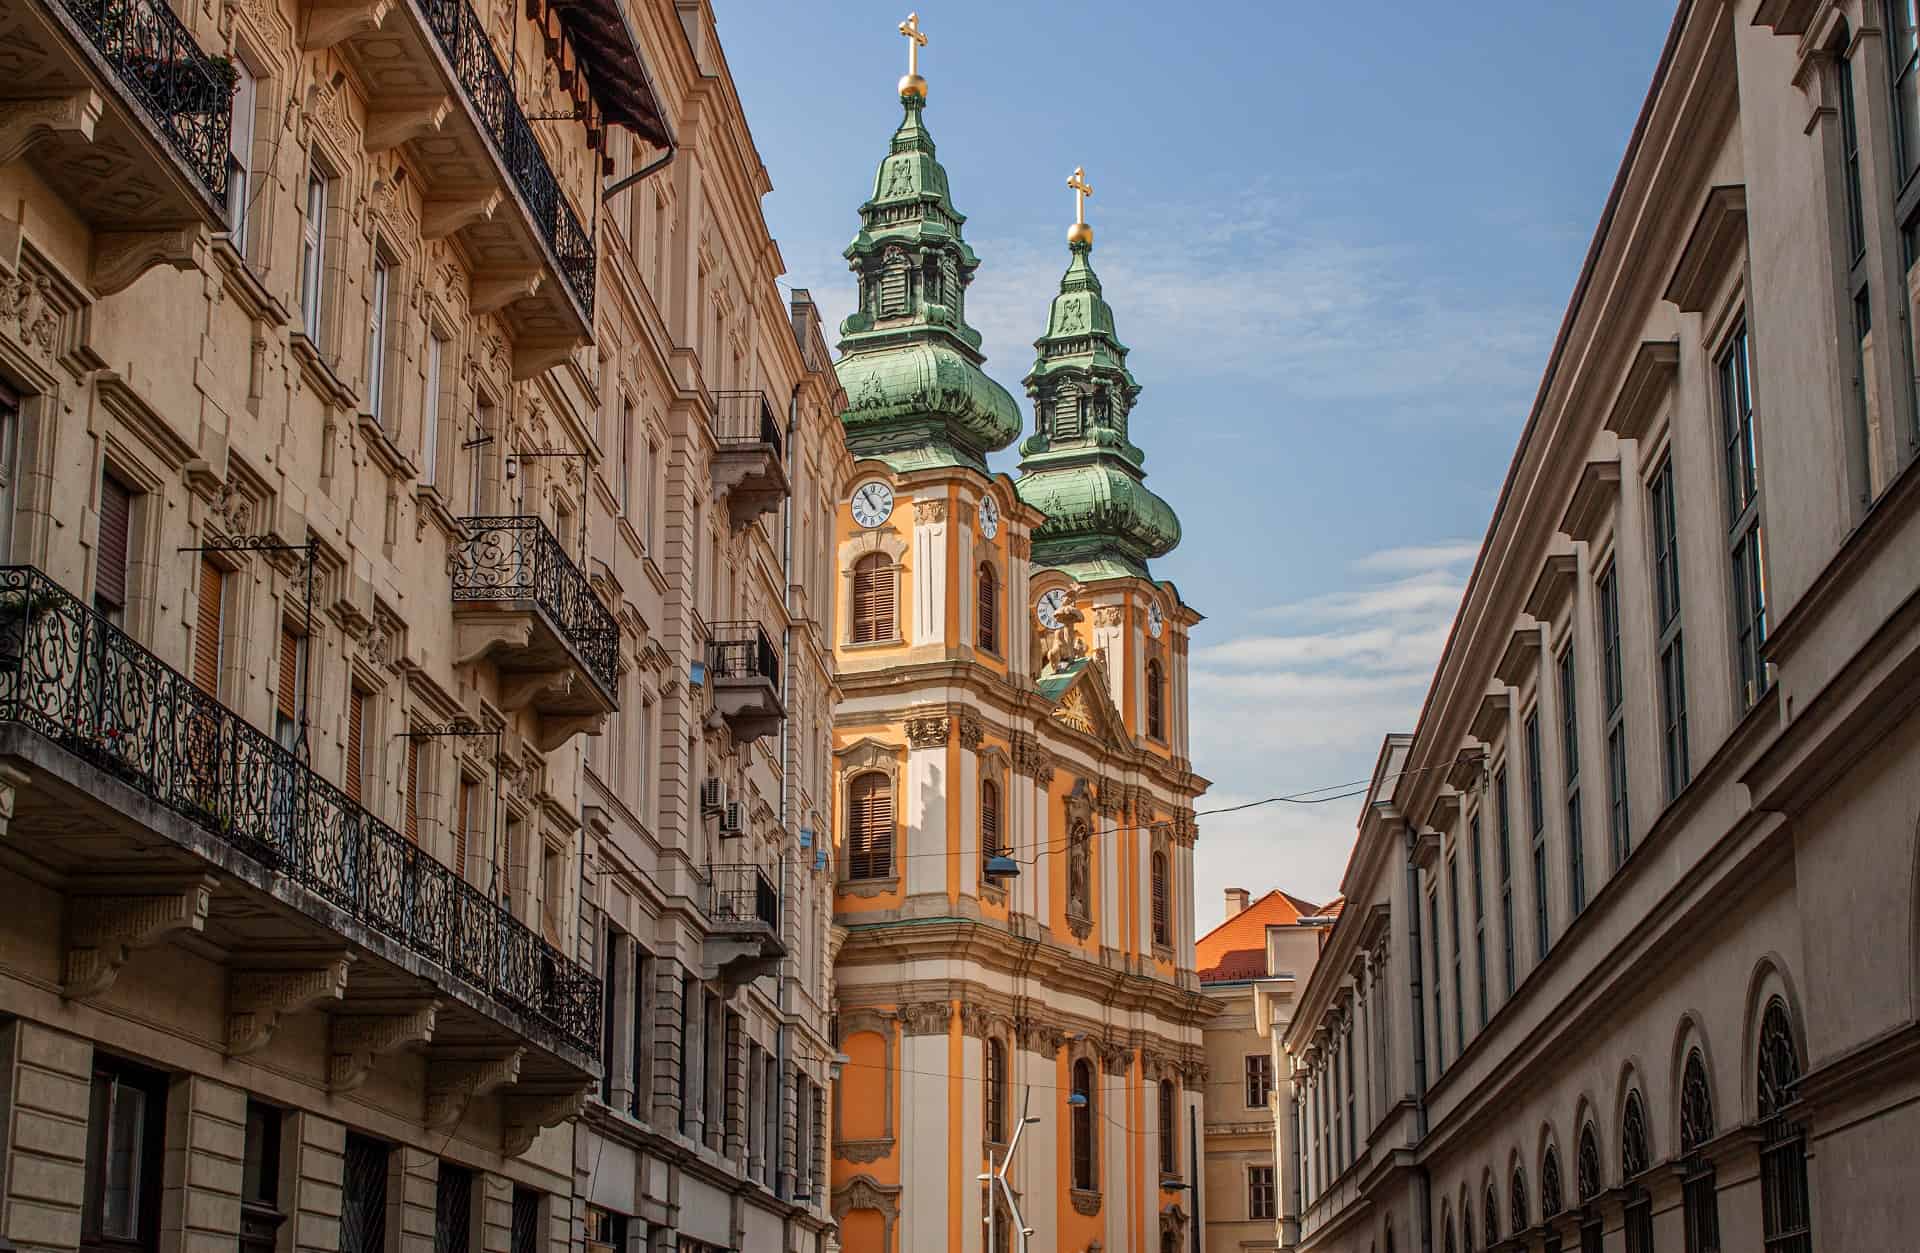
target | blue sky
[{"x": 1339, "y": 249}]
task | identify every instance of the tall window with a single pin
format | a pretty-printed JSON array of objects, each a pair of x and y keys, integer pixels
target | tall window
[
  {"x": 363, "y": 1196},
  {"x": 209, "y": 624},
  {"x": 240, "y": 151},
  {"x": 1850, "y": 157},
  {"x": 430, "y": 410},
  {"x": 1260, "y": 1192},
  {"x": 1162, "y": 903},
  {"x": 1490, "y": 1214},
  {"x": 377, "y": 305},
  {"x": 873, "y": 599},
  {"x": 870, "y": 827},
  {"x": 1635, "y": 1159},
  {"x": 313, "y": 253},
  {"x": 1666, "y": 613},
  {"x": 126, "y": 1125},
  {"x": 990, "y": 845},
  {"x": 1479, "y": 916},
  {"x": 1699, "y": 1200},
  {"x": 997, "y": 1091},
  {"x": 626, "y": 458},
  {"x": 1614, "y": 706},
  {"x": 1570, "y": 757},
  {"x": 466, "y": 823},
  {"x": 1552, "y": 1201},
  {"x": 1439, "y": 1008},
  {"x": 1503, "y": 821},
  {"x": 1346, "y": 1073},
  {"x": 1786, "y": 1215},
  {"x": 260, "y": 1163},
  {"x": 1168, "y": 1145},
  {"x": 1517, "y": 1219},
  {"x": 1745, "y": 547},
  {"x": 1156, "y": 701},
  {"x": 1259, "y": 1068},
  {"x": 353, "y": 768},
  {"x": 416, "y": 780},
  {"x": 1453, "y": 932},
  {"x": 1586, "y": 1173},
  {"x": 1904, "y": 47},
  {"x": 453, "y": 1209},
  {"x": 987, "y": 609},
  {"x": 1537, "y": 816},
  {"x": 1082, "y": 1125},
  {"x": 111, "y": 549}
]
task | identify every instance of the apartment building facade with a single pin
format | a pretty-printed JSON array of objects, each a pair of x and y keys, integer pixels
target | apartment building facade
[
  {"x": 406, "y": 608},
  {"x": 1628, "y": 957}
]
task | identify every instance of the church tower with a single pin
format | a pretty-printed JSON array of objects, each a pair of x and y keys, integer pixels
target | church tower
[{"x": 1014, "y": 805}]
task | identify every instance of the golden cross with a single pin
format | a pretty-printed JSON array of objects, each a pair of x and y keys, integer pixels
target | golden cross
[
  {"x": 1081, "y": 190},
  {"x": 916, "y": 40}
]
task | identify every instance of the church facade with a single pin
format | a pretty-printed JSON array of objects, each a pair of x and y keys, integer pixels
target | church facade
[{"x": 1013, "y": 797}]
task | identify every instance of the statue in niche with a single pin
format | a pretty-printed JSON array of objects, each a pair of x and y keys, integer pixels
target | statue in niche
[{"x": 1078, "y": 873}]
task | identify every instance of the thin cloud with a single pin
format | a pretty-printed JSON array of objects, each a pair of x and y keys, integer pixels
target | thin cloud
[{"x": 1419, "y": 557}]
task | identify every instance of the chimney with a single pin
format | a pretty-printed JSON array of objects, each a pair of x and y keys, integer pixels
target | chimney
[{"x": 1236, "y": 902}]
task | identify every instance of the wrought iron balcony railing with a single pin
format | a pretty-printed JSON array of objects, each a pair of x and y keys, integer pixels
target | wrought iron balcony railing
[
  {"x": 73, "y": 677},
  {"x": 518, "y": 558},
  {"x": 741, "y": 650},
  {"x": 741, "y": 894},
  {"x": 464, "y": 39},
  {"x": 743, "y": 419},
  {"x": 187, "y": 94}
]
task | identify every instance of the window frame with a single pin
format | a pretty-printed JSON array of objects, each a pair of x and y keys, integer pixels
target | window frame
[
  {"x": 987, "y": 609},
  {"x": 862, "y": 864},
  {"x": 1257, "y": 1070},
  {"x": 1664, "y": 535},
  {"x": 1262, "y": 1194},
  {"x": 1566, "y": 668},
  {"x": 311, "y": 295},
  {"x": 149, "y": 1155},
  {"x": 1746, "y": 539},
  {"x": 1155, "y": 718},
  {"x": 1536, "y": 813},
  {"x": 1478, "y": 896},
  {"x": 1613, "y": 705},
  {"x": 1503, "y": 816}
]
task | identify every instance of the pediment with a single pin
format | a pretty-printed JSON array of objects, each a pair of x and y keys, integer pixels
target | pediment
[{"x": 1081, "y": 703}]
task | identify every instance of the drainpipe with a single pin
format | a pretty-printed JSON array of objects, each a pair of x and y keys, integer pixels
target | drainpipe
[{"x": 783, "y": 1037}]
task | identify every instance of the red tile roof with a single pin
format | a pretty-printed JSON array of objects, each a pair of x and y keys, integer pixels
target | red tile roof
[{"x": 1237, "y": 948}]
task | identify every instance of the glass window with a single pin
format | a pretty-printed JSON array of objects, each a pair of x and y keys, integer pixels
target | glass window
[
  {"x": 363, "y": 1196},
  {"x": 1081, "y": 1121},
  {"x": 1479, "y": 916},
  {"x": 1745, "y": 548},
  {"x": 377, "y": 339},
  {"x": 1433, "y": 982},
  {"x": 240, "y": 150},
  {"x": 1666, "y": 612},
  {"x": 1259, "y": 1079},
  {"x": 1504, "y": 824},
  {"x": 313, "y": 253},
  {"x": 1536, "y": 807},
  {"x": 125, "y": 1136},
  {"x": 1453, "y": 931},
  {"x": 1260, "y": 1192},
  {"x": 1785, "y": 1204},
  {"x": 430, "y": 411},
  {"x": 1614, "y": 707},
  {"x": 1570, "y": 757},
  {"x": 1903, "y": 20}
]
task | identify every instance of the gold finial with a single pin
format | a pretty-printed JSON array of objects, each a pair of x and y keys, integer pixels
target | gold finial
[
  {"x": 913, "y": 84},
  {"x": 1080, "y": 232}
]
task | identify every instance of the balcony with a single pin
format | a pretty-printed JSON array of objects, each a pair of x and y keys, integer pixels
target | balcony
[
  {"x": 743, "y": 924},
  {"x": 124, "y": 115},
  {"x": 436, "y": 85},
  {"x": 167, "y": 818},
  {"x": 744, "y": 672},
  {"x": 748, "y": 461},
  {"x": 519, "y": 601}
]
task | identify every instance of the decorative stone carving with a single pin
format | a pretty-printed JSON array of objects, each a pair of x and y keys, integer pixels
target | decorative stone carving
[
  {"x": 929, "y": 512},
  {"x": 1030, "y": 759},
  {"x": 119, "y": 257},
  {"x": 1115, "y": 1056},
  {"x": 25, "y": 123},
  {"x": 359, "y": 1038},
  {"x": 257, "y": 998},
  {"x": 106, "y": 929},
  {"x": 928, "y": 731},
  {"x": 527, "y": 1114},
  {"x": 1087, "y": 1203},
  {"x": 926, "y": 1017},
  {"x": 1039, "y": 1037},
  {"x": 1106, "y": 615},
  {"x": 1021, "y": 546},
  {"x": 861, "y": 1152},
  {"x": 983, "y": 1023},
  {"x": 972, "y": 731},
  {"x": 865, "y": 1192},
  {"x": 453, "y": 1085}
]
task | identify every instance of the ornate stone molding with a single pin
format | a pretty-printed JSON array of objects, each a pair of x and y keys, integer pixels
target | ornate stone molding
[
  {"x": 1020, "y": 545},
  {"x": 984, "y": 1023},
  {"x": 119, "y": 257},
  {"x": 1106, "y": 615},
  {"x": 453, "y": 1085},
  {"x": 106, "y": 929},
  {"x": 926, "y": 1017},
  {"x": 257, "y": 998},
  {"x": 866, "y": 1192},
  {"x": 928, "y": 731},
  {"x": 865, "y": 888},
  {"x": 529, "y": 1114},
  {"x": 930, "y": 512},
  {"x": 861, "y": 1152},
  {"x": 359, "y": 1038},
  {"x": 1085, "y": 1202},
  {"x": 1039, "y": 1037},
  {"x": 1081, "y": 927},
  {"x": 1030, "y": 759},
  {"x": 25, "y": 123},
  {"x": 1115, "y": 1056},
  {"x": 972, "y": 732}
]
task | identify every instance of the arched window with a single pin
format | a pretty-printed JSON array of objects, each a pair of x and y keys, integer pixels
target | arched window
[
  {"x": 987, "y": 610},
  {"x": 873, "y": 599},
  {"x": 1786, "y": 1215},
  {"x": 1082, "y": 1125},
  {"x": 1636, "y": 1157},
  {"x": 997, "y": 1091},
  {"x": 1517, "y": 1201},
  {"x": 1167, "y": 1130},
  {"x": 1162, "y": 923},
  {"x": 1586, "y": 1186},
  {"x": 870, "y": 827},
  {"x": 1156, "y": 702},
  {"x": 1699, "y": 1198},
  {"x": 1447, "y": 1241},
  {"x": 1551, "y": 1202},
  {"x": 989, "y": 818},
  {"x": 1466, "y": 1222},
  {"x": 1491, "y": 1213}
]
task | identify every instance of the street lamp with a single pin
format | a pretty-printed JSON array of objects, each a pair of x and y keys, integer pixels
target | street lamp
[{"x": 998, "y": 1174}]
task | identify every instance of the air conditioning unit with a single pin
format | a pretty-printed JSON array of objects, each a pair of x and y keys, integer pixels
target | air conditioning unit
[
  {"x": 710, "y": 796},
  {"x": 806, "y": 837},
  {"x": 820, "y": 859},
  {"x": 733, "y": 818}
]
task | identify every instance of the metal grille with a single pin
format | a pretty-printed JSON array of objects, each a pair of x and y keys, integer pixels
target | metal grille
[
  {"x": 363, "y": 1205},
  {"x": 452, "y": 1209},
  {"x": 526, "y": 1220},
  {"x": 1638, "y": 1220},
  {"x": 1700, "y": 1208},
  {"x": 744, "y": 419},
  {"x": 518, "y": 558},
  {"x": 1786, "y": 1212},
  {"x": 75, "y": 678}
]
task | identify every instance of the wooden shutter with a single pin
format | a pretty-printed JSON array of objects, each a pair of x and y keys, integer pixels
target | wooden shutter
[
  {"x": 1154, "y": 701},
  {"x": 116, "y": 525},
  {"x": 872, "y": 599},
  {"x": 870, "y": 839},
  {"x": 1166, "y": 1127},
  {"x": 207, "y": 626},
  {"x": 413, "y": 790},
  {"x": 989, "y": 819},
  {"x": 989, "y": 611},
  {"x": 356, "y": 710},
  {"x": 286, "y": 697},
  {"x": 460, "y": 821},
  {"x": 1160, "y": 931}
]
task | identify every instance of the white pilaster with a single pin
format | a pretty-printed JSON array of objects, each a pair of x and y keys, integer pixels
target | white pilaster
[
  {"x": 924, "y": 1111},
  {"x": 930, "y": 571},
  {"x": 926, "y": 811}
]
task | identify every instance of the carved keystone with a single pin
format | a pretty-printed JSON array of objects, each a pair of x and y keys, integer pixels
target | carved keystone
[
  {"x": 442, "y": 216},
  {"x": 106, "y": 930},
  {"x": 359, "y": 1038},
  {"x": 24, "y": 123},
  {"x": 453, "y": 1084},
  {"x": 529, "y": 1113},
  {"x": 257, "y": 998}
]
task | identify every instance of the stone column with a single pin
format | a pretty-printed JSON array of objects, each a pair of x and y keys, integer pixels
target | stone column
[
  {"x": 618, "y": 987},
  {"x": 315, "y": 1175},
  {"x": 413, "y": 1182},
  {"x": 667, "y": 1061},
  {"x": 493, "y": 1230},
  {"x": 46, "y": 1081},
  {"x": 733, "y": 1098},
  {"x": 206, "y": 1146}
]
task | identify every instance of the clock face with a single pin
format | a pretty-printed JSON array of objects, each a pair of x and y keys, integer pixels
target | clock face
[
  {"x": 989, "y": 517},
  {"x": 1048, "y": 610},
  {"x": 872, "y": 503},
  {"x": 1154, "y": 621}
]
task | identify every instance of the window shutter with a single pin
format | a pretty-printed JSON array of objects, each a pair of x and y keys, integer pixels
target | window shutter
[
  {"x": 989, "y": 611},
  {"x": 1155, "y": 717},
  {"x": 116, "y": 525},
  {"x": 355, "y": 711},
  {"x": 870, "y": 855},
  {"x": 413, "y": 790},
  {"x": 206, "y": 629},
  {"x": 460, "y": 821},
  {"x": 872, "y": 599},
  {"x": 286, "y": 698},
  {"x": 989, "y": 820},
  {"x": 1160, "y": 898}
]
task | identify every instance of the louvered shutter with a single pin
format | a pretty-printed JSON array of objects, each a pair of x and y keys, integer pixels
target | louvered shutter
[
  {"x": 989, "y": 820},
  {"x": 1155, "y": 714},
  {"x": 413, "y": 790},
  {"x": 356, "y": 710},
  {"x": 872, "y": 599},
  {"x": 989, "y": 611},
  {"x": 286, "y": 698},
  {"x": 460, "y": 821},
  {"x": 871, "y": 836},
  {"x": 1160, "y": 930},
  {"x": 116, "y": 525},
  {"x": 207, "y": 627}
]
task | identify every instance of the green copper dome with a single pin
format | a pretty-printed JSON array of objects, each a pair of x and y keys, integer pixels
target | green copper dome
[
  {"x": 916, "y": 395},
  {"x": 1079, "y": 467}
]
